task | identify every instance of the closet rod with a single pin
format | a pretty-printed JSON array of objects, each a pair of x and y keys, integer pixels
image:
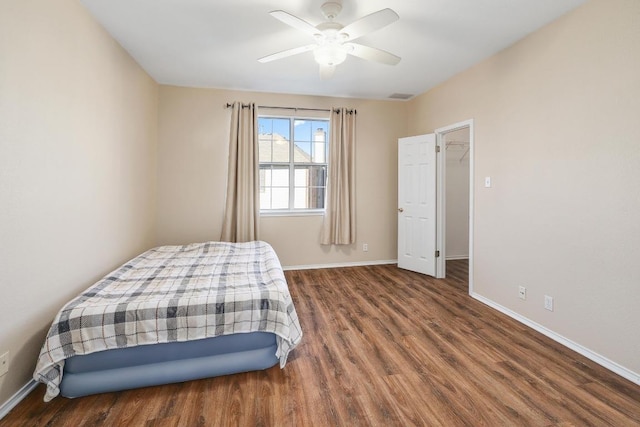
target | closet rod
[{"x": 457, "y": 143}]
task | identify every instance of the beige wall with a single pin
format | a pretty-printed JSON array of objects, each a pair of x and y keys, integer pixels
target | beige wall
[
  {"x": 556, "y": 127},
  {"x": 78, "y": 125},
  {"x": 192, "y": 171}
]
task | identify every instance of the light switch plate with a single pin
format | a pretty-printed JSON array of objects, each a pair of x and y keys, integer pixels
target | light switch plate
[{"x": 487, "y": 181}]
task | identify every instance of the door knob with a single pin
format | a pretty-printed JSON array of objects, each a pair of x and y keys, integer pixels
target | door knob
[{"x": 400, "y": 210}]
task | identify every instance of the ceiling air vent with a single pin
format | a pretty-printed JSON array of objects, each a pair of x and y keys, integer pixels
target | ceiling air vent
[{"x": 400, "y": 96}]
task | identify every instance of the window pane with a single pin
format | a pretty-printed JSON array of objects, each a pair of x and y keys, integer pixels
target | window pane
[
  {"x": 274, "y": 198},
  {"x": 280, "y": 198},
  {"x": 274, "y": 187},
  {"x": 316, "y": 197},
  {"x": 273, "y": 139},
  {"x": 318, "y": 176},
  {"x": 310, "y": 176},
  {"x": 270, "y": 125},
  {"x": 282, "y": 127},
  {"x": 280, "y": 176},
  {"x": 302, "y": 129},
  {"x": 319, "y": 151},
  {"x": 280, "y": 150},
  {"x": 300, "y": 198},
  {"x": 265, "y": 176},
  {"x": 308, "y": 198},
  {"x": 301, "y": 176},
  {"x": 265, "y": 198},
  {"x": 274, "y": 176},
  {"x": 302, "y": 152},
  {"x": 309, "y": 187},
  {"x": 264, "y": 148},
  {"x": 310, "y": 141}
]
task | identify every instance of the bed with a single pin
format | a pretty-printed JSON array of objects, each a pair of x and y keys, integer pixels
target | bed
[{"x": 172, "y": 314}]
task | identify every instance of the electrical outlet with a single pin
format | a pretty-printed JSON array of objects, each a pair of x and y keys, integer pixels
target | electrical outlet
[
  {"x": 365, "y": 247},
  {"x": 4, "y": 363},
  {"x": 548, "y": 303},
  {"x": 522, "y": 292}
]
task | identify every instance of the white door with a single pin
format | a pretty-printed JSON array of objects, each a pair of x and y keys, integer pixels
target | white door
[{"x": 417, "y": 204}]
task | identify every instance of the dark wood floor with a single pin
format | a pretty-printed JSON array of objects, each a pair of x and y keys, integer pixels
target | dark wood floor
[{"x": 382, "y": 346}]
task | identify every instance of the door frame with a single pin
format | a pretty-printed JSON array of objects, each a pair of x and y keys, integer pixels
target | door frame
[{"x": 441, "y": 201}]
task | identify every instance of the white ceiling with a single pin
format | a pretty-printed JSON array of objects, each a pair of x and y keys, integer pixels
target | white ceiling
[{"x": 216, "y": 43}]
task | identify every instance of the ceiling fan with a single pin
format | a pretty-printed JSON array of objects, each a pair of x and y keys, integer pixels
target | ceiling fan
[{"x": 333, "y": 41}]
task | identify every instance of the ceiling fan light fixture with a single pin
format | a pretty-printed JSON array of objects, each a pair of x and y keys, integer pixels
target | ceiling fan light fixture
[
  {"x": 334, "y": 41},
  {"x": 330, "y": 54}
]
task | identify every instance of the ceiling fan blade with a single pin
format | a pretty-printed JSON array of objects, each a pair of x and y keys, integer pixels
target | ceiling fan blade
[
  {"x": 369, "y": 24},
  {"x": 372, "y": 54},
  {"x": 295, "y": 22},
  {"x": 326, "y": 71},
  {"x": 288, "y": 52}
]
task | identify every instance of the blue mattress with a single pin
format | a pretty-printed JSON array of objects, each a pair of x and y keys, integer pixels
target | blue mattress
[{"x": 149, "y": 365}]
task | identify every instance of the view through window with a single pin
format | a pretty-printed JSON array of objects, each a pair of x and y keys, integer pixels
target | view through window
[{"x": 293, "y": 163}]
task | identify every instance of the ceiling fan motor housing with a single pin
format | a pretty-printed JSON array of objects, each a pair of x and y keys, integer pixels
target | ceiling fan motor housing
[{"x": 330, "y": 30}]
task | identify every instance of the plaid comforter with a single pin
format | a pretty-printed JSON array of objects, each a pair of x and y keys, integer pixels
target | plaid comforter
[{"x": 174, "y": 293}]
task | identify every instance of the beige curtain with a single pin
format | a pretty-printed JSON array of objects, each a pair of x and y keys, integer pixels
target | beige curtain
[
  {"x": 339, "y": 227},
  {"x": 242, "y": 208}
]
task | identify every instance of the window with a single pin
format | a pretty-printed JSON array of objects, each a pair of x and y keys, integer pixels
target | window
[{"x": 293, "y": 163}]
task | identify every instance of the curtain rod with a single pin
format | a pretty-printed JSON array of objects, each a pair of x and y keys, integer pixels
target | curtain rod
[{"x": 327, "y": 110}]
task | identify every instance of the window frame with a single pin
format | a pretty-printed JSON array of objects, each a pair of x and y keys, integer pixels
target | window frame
[{"x": 291, "y": 165}]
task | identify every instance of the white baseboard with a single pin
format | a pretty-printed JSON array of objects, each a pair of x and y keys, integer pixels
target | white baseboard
[
  {"x": 456, "y": 257},
  {"x": 17, "y": 398},
  {"x": 634, "y": 377},
  {"x": 340, "y": 264}
]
